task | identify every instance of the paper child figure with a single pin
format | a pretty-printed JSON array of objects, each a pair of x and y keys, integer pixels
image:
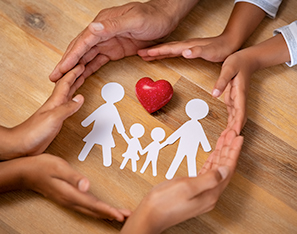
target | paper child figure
[
  {"x": 105, "y": 117},
  {"x": 191, "y": 134},
  {"x": 153, "y": 149},
  {"x": 134, "y": 146}
]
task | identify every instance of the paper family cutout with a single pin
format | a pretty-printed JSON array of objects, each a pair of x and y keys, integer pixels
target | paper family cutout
[{"x": 190, "y": 135}]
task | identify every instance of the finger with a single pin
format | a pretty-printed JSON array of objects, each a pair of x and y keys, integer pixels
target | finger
[
  {"x": 205, "y": 52},
  {"x": 209, "y": 197},
  {"x": 68, "y": 80},
  {"x": 80, "y": 47},
  {"x": 73, "y": 187},
  {"x": 63, "y": 111},
  {"x": 235, "y": 99},
  {"x": 77, "y": 84},
  {"x": 149, "y": 58},
  {"x": 94, "y": 65},
  {"x": 214, "y": 156},
  {"x": 226, "y": 75},
  {"x": 217, "y": 154},
  {"x": 208, "y": 164},
  {"x": 207, "y": 181},
  {"x": 172, "y": 48},
  {"x": 91, "y": 206},
  {"x": 90, "y": 55},
  {"x": 63, "y": 171},
  {"x": 82, "y": 202},
  {"x": 231, "y": 150},
  {"x": 125, "y": 212}
]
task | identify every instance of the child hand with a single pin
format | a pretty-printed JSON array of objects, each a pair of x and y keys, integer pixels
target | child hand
[
  {"x": 234, "y": 79},
  {"x": 34, "y": 135},
  {"x": 214, "y": 49},
  {"x": 177, "y": 200},
  {"x": 56, "y": 180}
]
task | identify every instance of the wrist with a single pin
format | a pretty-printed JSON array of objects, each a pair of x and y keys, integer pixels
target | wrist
[
  {"x": 175, "y": 10},
  {"x": 12, "y": 175},
  {"x": 9, "y": 145},
  {"x": 142, "y": 221}
]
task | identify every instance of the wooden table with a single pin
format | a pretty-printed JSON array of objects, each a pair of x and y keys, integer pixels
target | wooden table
[{"x": 261, "y": 197}]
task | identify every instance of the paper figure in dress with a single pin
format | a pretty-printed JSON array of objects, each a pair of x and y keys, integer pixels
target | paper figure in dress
[
  {"x": 134, "y": 146},
  {"x": 104, "y": 118},
  {"x": 152, "y": 150},
  {"x": 191, "y": 134}
]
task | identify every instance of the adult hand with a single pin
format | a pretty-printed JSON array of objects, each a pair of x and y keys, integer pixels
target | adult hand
[
  {"x": 34, "y": 135},
  {"x": 55, "y": 179},
  {"x": 120, "y": 31},
  {"x": 177, "y": 200}
]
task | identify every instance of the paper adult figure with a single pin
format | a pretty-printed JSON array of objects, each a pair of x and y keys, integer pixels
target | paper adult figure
[
  {"x": 191, "y": 134},
  {"x": 153, "y": 149},
  {"x": 134, "y": 146},
  {"x": 105, "y": 117}
]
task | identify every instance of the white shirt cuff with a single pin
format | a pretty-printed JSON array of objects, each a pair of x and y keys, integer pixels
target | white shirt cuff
[
  {"x": 269, "y": 6},
  {"x": 289, "y": 32}
]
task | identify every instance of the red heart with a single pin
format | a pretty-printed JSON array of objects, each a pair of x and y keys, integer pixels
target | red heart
[{"x": 153, "y": 95}]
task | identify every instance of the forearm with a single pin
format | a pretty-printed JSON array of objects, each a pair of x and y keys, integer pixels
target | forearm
[
  {"x": 243, "y": 20},
  {"x": 8, "y": 148},
  {"x": 11, "y": 175},
  {"x": 140, "y": 222},
  {"x": 271, "y": 52}
]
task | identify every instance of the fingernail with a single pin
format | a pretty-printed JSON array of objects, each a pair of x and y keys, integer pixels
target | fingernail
[
  {"x": 224, "y": 171},
  {"x": 187, "y": 53},
  {"x": 77, "y": 98},
  {"x": 83, "y": 185},
  {"x": 97, "y": 26},
  {"x": 216, "y": 93}
]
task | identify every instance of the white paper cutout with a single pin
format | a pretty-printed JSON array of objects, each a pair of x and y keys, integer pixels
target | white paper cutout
[
  {"x": 105, "y": 117},
  {"x": 191, "y": 134},
  {"x": 152, "y": 150},
  {"x": 134, "y": 146}
]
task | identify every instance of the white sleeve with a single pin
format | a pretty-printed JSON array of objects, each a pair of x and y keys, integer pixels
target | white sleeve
[
  {"x": 269, "y": 6},
  {"x": 289, "y": 32}
]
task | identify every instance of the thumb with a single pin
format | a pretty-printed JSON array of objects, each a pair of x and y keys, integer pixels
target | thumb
[
  {"x": 69, "y": 108},
  {"x": 226, "y": 75},
  {"x": 109, "y": 28},
  {"x": 207, "y": 52}
]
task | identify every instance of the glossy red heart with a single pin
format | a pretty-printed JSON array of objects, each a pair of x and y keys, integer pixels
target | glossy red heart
[{"x": 153, "y": 95}]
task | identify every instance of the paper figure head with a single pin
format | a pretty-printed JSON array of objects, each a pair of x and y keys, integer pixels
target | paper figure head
[
  {"x": 158, "y": 134},
  {"x": 197, "y": 109},
  {"x": 137, "y": 130},
  {"x": 112, "y": 92}
]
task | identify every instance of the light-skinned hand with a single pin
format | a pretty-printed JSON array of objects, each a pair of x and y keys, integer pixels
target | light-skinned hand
[{"x": 120, "y": 31}]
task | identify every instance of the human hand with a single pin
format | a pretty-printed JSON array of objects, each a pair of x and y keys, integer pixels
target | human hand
[
  {"x": 56, "y": 180},
  {"x": 214, "y": 49},
  {"x": 120, "y": 31},
  {"x": 177, "y": 200},
  {"x": 34, "y": 135},
  {"x": 234, "y": 79}
]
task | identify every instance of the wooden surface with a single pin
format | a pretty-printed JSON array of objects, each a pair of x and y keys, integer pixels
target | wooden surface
[{"x": 261, "y": 197}]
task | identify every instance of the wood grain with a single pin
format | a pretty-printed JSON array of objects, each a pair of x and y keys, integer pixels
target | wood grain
[{"x": 261, "y": 197}]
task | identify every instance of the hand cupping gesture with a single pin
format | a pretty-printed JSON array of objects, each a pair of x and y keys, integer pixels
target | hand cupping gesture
[
  {"x": 213, "y": 49},
  {"x": 34, "y": 135},
  {"x": 177, "y": 200},
  {"x": 121, "y": 31}
]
